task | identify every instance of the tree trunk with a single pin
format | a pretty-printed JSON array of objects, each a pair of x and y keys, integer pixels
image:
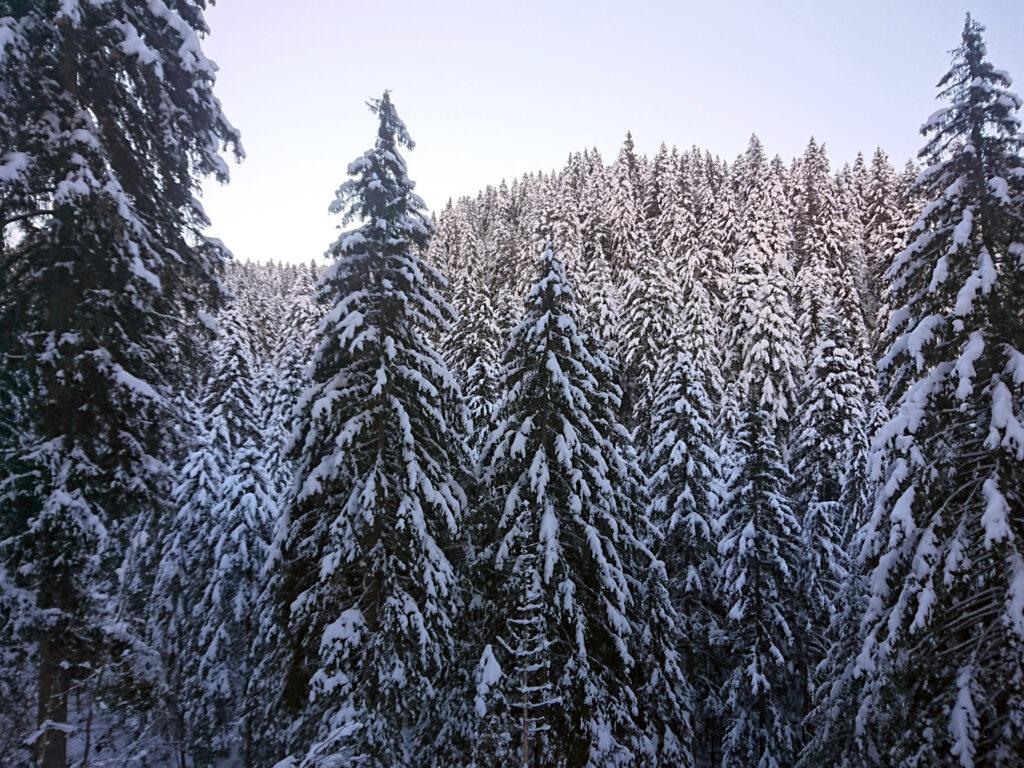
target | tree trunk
[
  {"x": 526, "y": 733},
  {"x": 52, "y": 746}
]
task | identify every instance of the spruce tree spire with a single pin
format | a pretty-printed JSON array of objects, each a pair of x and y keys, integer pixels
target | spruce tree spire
[{"x": 683, "y": 467}]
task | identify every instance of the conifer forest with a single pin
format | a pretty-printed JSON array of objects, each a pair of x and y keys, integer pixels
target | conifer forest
[{"x": 659, "y": 461}]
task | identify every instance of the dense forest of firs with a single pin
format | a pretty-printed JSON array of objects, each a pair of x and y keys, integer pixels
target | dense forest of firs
[{"x": 673, "y": 461}]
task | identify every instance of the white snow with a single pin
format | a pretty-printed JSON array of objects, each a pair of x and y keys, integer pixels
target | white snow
[
  {"x": 134, "y": 45},
  {"x": 351, "y": 241},
  {"x": 488, "y": 673},
  {"x": 135, "y": 384},
  {"x": 994, "y": 518},
  {"x": 1015, "y": 605},
  {"x": 14, "y": 163},
  {"x": 965, "y": 364},
  {"x": 190, "y": 52},
  {"x": 347, "y": 629},
  {"x": 963, "y": 720},
  {"x": 962, "y": 231},
  {"x": 999, "y": 188},
  {"x": 139, "y": 270}
]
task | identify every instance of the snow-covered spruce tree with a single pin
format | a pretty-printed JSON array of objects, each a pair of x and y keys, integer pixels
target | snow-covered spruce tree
[
  {"x": 511, "y": 249},
  {"x": 680, "y": 224},
  {"x": 230, "y": 394},
  {"x": 716, "y": 242},
  {"x": 651, "y": 297},
  {"x": 835, "y": 735},
  {"x": 821, "y": 244},
  {"x": 700, "y": 332},
  {"x": 560, "y": 489},
  {"x": 629, "y": 240},
  {"x": 472, "y": 348},
  {"x": 829, "y": 426},
  {"x": 661, "y": 196},
  {"x": 287, "y": 367},
  {"x": 761, "y": 347},
  {"x": 210, "y": 553},
  {"x": 759, "y": 552},
  {"x": 759, "y": 549},
  {"x": 205, "y": 591},
  {"x": 597, "y": 293},
  {"x": 649, "y": 312},
  {"x": 884, "y": 232},
  {"x": 835, "y": 607},
  {"x": 368, "y": 590},
  {"x": 110, "y": 124},
  {"x": 448, "y": 245},
  {"x": 178, "y": 574},
  {"x": 515, "y": 702},
  {"x": 601, "y": 306},
  {"x": 944, "y": 628},
  {"x": 561, "y": 220},
  {"x": 567, "y": 215},
  {"x": 224, "y": 617},
  {"x": 851, "y": 186},
  {"x": 683, "y": 468},
  {"x": 590, "y": 214}
]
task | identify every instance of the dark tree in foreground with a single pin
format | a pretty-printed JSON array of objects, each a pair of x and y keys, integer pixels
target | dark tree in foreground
[{"x": 110, "y": 124}]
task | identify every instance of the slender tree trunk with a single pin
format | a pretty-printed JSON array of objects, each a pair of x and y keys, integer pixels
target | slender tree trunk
[
  {"x": 87, "y": 748},
  {"x": 525, "y": 749},
  {"x": 52, "y": 747}
]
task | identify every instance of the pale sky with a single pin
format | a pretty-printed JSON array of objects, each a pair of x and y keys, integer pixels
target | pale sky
[{"x": 491, "y": 90}]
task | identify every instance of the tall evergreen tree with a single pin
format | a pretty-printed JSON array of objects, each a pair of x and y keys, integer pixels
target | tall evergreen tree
[
  {"x": 471, "y": 350},
  {"x": 884, "y": 232},
  {"x": 208, "y": 555},
  {"x": 683, "y": 467},
  {"x": 759, "y": 551},
  {"x": 110, "y": 125},
  {"x": 561, "y": 486},
  {"x": 716, "y": 243},
  {"x": 599, "y": 295},
  {"x": 661, "y": 193},
  {"x": 829, "y": 428},
  {"x": 650, "y": 309},
  {"x": 626, "y": 217},
  {"x": 370, "y": 591},
  {"x": 822, "y": 245},
  {"x": 762, "y": 353},
  {"x": 285, "y": 375},
  {"x": 601, "y": 306},
  {"x": 181, "y": 572},
  {"x": 944, "y": 627},
  {"x": 219, "y": 664}
]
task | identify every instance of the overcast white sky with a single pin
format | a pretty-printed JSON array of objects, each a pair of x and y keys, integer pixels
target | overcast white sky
[{"x": 491, "y": 90}]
